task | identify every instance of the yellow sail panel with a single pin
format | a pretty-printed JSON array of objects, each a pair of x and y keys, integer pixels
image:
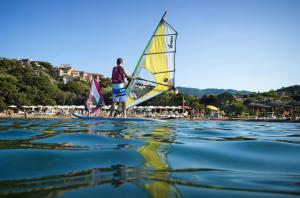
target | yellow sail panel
[
  {"x": 156, "y": 61},
  {"x": 157, "y": 44},
  {"x": 156, "y": 67}
]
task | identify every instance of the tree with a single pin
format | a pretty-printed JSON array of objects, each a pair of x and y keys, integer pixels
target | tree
[
  {"x": 105, "y": 82},
  {"x": 50, "y": 69},
  {"x": 8, "y": 88},
  {"x": 224, "y": 98},
  {"x": 209, "y": 100},
  {"x": 235, "y": 108},
  {"x": 3, "y": 105},
  {"x": 297, "y": 97}
]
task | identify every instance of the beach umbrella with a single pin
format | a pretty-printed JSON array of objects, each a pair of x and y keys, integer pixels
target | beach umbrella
[
  {"x": 139, "y": 108},
  {"x": 105, "y": 107},
  {"x": 12, "y": 106},
  {"x": 179, "y": 107},
  {"x": 31, "y": 107},
  {"x": 24, "y": 106},
  {"x": 162, "y": 107},
  {"x": 149, "y": 108},
  {"x": 211, "y": 107}
]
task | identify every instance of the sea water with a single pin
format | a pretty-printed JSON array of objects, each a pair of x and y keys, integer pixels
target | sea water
[{"x": 76, "y": 158}]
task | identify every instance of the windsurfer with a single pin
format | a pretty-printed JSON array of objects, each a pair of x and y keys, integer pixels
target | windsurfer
[{"x": 118, "y": 86}]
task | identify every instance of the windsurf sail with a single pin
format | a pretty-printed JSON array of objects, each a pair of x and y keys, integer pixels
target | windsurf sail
[
  {"x": 95, "y": 100},
  {"x": 155, "y": 70}
]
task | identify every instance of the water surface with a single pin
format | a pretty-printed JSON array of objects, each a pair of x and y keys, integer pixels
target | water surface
[{"x": 76, "y": 158}]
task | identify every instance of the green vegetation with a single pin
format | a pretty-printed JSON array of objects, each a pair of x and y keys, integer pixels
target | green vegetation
[
  {"x": 201, "y": 92},
  {"x": 37, "y": 83},
  {"x": 283, "y": 101}
]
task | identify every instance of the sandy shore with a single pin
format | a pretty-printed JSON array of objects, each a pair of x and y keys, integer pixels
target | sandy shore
[
  {"x": 244, "y": 119},
  {"x": 38, "y": 116},
  {"x": 35, "y": 116}
]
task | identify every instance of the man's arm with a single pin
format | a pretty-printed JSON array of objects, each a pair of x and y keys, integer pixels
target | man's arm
[{"x": 128, "y": 76}]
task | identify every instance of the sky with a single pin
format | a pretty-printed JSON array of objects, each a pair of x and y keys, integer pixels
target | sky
[{"x": 239, "y": 44}]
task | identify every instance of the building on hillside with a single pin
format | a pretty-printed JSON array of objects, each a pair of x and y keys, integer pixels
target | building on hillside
[
  {"x": 25, "y": 61},
  {"x": 290, "y": 93},
  {"x": 240, "y": 98},
  {"x": 65, "y": 69},
  {"x": 68, "y": 73},
  {"x": 66, "y": 78},
  {"x": 65, "y": 73},
  {"x": 89, "y": 76},
  {"x": 259, "y": 109}
]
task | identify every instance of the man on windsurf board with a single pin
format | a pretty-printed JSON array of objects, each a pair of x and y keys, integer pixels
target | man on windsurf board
[{"x": 118, "y": 86}]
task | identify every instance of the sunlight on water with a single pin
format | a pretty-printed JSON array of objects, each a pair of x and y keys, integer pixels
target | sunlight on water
[{"x": 75, "y": 158}]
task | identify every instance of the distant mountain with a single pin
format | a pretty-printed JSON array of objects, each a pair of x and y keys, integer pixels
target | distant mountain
[{"x": 210, "y": 91}]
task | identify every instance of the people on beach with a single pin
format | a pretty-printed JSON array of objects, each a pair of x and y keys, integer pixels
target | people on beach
[
  {"x": 191, "y": 112},
  {"x": 9, "y": 113},
  {"x": 118, "y": 87},
  {"x": 86, "y": 108}
]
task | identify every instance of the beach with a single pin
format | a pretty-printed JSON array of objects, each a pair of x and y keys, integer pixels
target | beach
[{"x": 247, "y": 119}]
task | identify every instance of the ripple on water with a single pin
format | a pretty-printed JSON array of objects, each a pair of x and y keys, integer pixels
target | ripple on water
[
  {"x": 84, "y": 139},
  {"x": 33, "y": 163},
  {"x": 176, "y": 158},
  {"x": 17, "y": 134},
  {"x": 257, "y": 156}
]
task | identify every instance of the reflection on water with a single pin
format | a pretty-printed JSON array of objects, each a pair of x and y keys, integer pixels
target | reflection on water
[
  {"x": 154, "y": 153},
  {"x": 75, "y": 158}
]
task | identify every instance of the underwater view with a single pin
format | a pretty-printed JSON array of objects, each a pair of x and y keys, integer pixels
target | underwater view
[{"x": 76, "y": 158}]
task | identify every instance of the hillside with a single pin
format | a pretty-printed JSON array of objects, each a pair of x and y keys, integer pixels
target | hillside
[
  {"x": 210, "y": 91},
  {"x": 36, "y": 83}
]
